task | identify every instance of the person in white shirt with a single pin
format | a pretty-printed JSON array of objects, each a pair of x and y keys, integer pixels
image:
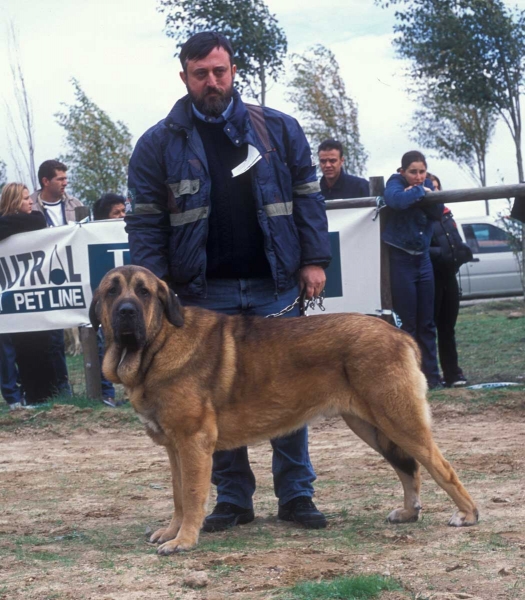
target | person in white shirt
[
  {"x": 58, "y": 209},
  {"x": 52, "y": 199}
]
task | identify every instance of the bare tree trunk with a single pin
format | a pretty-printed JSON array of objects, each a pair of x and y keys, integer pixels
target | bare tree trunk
[
  {"x": 262, "y": 77},
  {"x": 23, "y": 141}
]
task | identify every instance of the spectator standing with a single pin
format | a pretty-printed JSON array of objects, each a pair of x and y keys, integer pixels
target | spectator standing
[
  {"x": 335, "y": 182},
  {"x": 227, "y": 209},
  {"x": 408, "y": 232},
  {"x": 108, "y": 206},
  {"x": 447, "y": 253},
  {"x": 58, "y": 209},
  {"x": 30, "y": 351}
]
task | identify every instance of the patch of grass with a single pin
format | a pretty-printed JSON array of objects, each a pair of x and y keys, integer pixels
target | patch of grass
[
  {"x": 219, "y": 571},
  {"x": 72, "y": 411},
  {"x": 490, "y": 345},
  {"x": 27, "y": 554},
  {"x": 475, "y": 401},
  {"x": 236, "y": 542},
  {"x": 109, "y": 541},
  {"x": 342, "y": 588}
]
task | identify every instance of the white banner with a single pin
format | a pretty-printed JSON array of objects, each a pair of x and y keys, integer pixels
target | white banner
[
  {"x": 353, "y": 280},
  {"x": 47, "y": 277}
]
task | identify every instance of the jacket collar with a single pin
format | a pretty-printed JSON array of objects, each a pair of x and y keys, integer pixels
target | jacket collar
[{"x": 237, "y": 127}]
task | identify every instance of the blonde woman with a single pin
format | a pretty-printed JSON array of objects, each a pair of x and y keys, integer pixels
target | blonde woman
[
  {"x": 16, "y": 214},
  {"x": 29, "y": 351}
]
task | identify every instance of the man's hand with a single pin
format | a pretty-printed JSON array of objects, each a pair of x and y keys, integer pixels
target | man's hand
[{"x": 313, "y": 279}]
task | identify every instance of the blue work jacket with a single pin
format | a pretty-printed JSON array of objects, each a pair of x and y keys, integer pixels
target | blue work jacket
[
  {"x": 409, "y": 225},
  {"x": 169, "y": 193}
]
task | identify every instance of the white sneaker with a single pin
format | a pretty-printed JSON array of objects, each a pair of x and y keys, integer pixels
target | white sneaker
[{"x": 16, "y": 406}]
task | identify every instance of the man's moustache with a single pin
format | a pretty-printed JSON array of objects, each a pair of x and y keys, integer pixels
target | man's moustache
[{"x": 214, "y": 91}]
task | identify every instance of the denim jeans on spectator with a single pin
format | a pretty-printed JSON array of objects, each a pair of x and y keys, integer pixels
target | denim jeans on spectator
[
  {"x": 292, "y": 470},
  {"x": 9, "y": 386},
  {"x": 108, "y": 391},
  {"x": 412, "y": 285},
  {"x": 58, "y": 350}
]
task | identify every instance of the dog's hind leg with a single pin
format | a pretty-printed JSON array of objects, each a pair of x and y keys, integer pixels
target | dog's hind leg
[
  {"x": 415, "y": 438},
  {"x": 405, "y": 466},
  {"x": 428, "y": 454},
  {"x": 168, "y": 533}
]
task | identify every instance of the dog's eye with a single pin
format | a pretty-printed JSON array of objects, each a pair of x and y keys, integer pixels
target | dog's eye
[
  {"x": 143, "y": 292},
  {"x": 112, "y": 290}
]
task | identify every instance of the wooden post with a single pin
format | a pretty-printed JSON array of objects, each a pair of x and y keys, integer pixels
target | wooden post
[
  {"x": 81, "y": 212},
  {"x": 377, "y": 188},
  {"x": 88, "y": 337}
]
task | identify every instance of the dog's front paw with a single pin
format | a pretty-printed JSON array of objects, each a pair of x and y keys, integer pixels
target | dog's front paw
[
  {"x": 404, "y": 515},
  {"x": 463, "y": 519},
  {"x": 165, "y": 534},
  {"x": 177, "y": 545}
]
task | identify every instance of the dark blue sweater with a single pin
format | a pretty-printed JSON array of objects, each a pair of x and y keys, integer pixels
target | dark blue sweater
[{"x": 235, "y": 244}]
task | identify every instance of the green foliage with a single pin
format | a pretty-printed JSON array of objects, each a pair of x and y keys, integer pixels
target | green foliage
[
  {"x": 458, "y": 132},
  {"x": 343, "y": 588},
  {"x": 98, "y": 148},
  {"x": 471, "y": 52},
  {"x": 318, "y": 92},
  {"x": 258, "y": 42}
]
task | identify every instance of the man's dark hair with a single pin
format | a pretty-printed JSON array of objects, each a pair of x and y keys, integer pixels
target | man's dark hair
[
  {"x": 413, "y": 156},
  {"x": 48, "y": 170},
  {"x": 104, "y": 204},
  {"x": 331, "y": 144},
  {"x": 201, "y": 44}
]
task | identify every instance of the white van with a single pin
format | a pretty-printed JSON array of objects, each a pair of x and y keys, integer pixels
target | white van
[{"x": 495, "y": 270}]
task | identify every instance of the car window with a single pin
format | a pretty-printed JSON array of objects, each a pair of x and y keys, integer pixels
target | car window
[{"x": 484, "y": 238}]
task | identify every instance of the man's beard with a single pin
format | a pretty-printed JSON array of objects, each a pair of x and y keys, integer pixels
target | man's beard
[{"x": 212, "y": 106}]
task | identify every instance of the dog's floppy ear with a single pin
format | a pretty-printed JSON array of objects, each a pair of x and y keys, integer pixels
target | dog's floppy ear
[
  {"x": 172, "y": 307},
  {"x": 94, "y": 311}
]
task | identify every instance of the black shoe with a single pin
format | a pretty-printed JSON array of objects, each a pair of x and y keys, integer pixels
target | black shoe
[
  {"x": 302, "y": 510},
  {"x": 226, "y": 515},
  {"x": 459, "y": 381}
]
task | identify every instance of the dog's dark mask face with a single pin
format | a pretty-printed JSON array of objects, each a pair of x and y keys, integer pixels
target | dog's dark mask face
[
  {"x": 127, "y": 323},
  {"x": 131, "y": 304}
]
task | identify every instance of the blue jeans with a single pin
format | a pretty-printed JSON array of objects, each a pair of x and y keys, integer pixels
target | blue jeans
[
  {"x": 292, "y": 470},
  {"x": 108, "y": 391},
  {"x": 9, "y": 386},
  {"x": 412, "y": 285}
]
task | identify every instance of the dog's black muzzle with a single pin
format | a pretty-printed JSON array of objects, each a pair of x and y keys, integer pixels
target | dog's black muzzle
[{"x": 128, "y": 325}]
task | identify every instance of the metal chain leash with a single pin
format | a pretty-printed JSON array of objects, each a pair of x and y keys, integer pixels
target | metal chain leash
[{"x": 301, "y": 300}]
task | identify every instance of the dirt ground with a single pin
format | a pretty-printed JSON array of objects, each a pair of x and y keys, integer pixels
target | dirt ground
[{"x": 80, "y": 488}]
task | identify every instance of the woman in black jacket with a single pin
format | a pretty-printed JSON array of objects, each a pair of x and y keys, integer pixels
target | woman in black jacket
[
  {"x": 31, "y": 350},
  {"x": 447, "y": 253}
]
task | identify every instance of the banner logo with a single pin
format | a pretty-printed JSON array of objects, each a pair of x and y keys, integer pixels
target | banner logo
[{"x": 28, "y": 269}]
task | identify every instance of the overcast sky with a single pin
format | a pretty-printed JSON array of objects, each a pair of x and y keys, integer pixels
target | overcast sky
[{"x": 124, "y": 62}]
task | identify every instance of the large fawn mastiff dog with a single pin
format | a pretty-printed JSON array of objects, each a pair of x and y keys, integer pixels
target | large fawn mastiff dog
[{"x": 202, "y": 381}]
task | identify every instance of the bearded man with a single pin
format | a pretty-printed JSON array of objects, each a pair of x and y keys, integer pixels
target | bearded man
[{"x": 224, "y": 205}]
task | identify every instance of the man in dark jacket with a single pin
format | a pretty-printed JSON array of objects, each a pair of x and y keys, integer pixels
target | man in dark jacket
[
  {"x": 224, "y": 205},
  {"x": 336, "y": 184}
]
